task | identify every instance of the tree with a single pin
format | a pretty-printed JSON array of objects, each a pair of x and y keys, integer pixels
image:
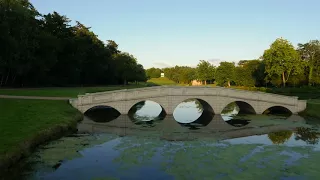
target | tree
[
  {"x": 140, "y": 74},
  {"x": 45, "y": 50},
  {"x": 225, "y": 73},
  {"x": 186, "y": 74},
  {"x": 112, "y": 46},
  {"x": 126, "y": 66},
  {"x": 153, "y": 73},
  {"x": 282, "y": 60},
  {"x": 248, "y": 73},
  {"x": 310, "y": 53},
  {"x": 205, "y": 71}
]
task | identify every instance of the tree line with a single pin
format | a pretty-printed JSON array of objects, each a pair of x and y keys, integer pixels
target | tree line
[
  {"x": 46, "y": 50},
  {"x": 280, "y": 65}
]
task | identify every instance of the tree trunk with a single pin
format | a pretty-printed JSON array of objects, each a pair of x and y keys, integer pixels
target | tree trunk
[
  {"x": 229, "y": 84},
  {"x": 205, "y": 82},
  {"x": 13, "y": 79},
  {"x": 283, "y": 80},
  {"x": 5, "y": 83},
  {"x": 310, "y": 76},
  {"x": 125, "y": 82},
  {"x": 2, "y": 76}
]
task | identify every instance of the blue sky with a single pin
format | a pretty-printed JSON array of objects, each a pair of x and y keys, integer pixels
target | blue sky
[{"x": 182, "y": 32}]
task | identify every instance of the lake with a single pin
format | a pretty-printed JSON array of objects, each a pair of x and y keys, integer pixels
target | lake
[{"x": 192, "y": 143}]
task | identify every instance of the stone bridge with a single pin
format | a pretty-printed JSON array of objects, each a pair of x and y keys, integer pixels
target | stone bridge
[{"x": 214, "y": 99}]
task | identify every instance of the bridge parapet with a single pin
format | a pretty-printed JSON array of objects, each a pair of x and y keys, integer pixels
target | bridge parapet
[
  {"x": 170, "y": 96},
  {"x": 158, "y": 91}
]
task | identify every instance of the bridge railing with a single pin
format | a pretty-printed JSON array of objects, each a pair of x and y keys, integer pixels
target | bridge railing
[
  {"x": 183, "y": 87},
  {"x": 158, "y": 91}
]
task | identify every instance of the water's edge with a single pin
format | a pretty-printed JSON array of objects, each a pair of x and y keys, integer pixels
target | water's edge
[{"x": 27, "y": 147}]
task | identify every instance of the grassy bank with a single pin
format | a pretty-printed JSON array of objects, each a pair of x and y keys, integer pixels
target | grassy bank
[
  {"x": 313, "y": 109},
  {"x": 301, "y": 92},
  {"x": 161, "y": 81},
  {"x": 65, "y": 92},
  {"x": 24, "y": 124}
]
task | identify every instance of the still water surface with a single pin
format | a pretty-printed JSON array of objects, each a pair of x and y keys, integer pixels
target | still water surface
[{"x": 190, "y": 144}]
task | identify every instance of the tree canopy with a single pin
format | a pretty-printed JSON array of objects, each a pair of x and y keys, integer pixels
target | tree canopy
[
  {"x": 205, "y": 71},
  {"x": 282, "y": 60},
  {"x": 225, "y": 73},
  {"x": 46, "y": 50}
]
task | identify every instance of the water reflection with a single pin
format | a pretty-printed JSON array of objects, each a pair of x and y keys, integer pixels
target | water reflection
[
  {"x": 280, "y": 137},
  {"x": 252, "y": 156},
  {"x": 188, "y": 111},
  {"x": 146, "y": 113},
  {"x": 308, "y": 135},
  {"x": 147, "y": 144},
  {"x": 217, "y": 129},
  {"x": 231, "y": 115}
]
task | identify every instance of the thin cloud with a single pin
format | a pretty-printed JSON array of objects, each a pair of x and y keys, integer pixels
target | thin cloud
[
  {"x": 216, "y": 62},
  {"x": 161, "y": 65}
]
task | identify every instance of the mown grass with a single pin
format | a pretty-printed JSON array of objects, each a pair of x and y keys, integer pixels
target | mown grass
[
  {"x": 313, "y": 109},
  {"x": 21, "y": 121},
  {"x": 65, "y": 92},
  {"x": 161, "y": 81},
  {"x": 301, "y": 92}
]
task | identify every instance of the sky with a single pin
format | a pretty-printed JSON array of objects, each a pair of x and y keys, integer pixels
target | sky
[{"x": 162, "y": 33}]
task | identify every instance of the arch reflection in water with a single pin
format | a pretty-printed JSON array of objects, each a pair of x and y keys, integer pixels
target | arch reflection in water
[
  {"x": 102, "y": 114},
  {"x": 146, "y": 113},
  {"x": 193, "y": 113},
  {"x": 235, "y": 113}
]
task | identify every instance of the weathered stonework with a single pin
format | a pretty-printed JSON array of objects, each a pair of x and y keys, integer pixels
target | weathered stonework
[{"x": 169, "y": 97}]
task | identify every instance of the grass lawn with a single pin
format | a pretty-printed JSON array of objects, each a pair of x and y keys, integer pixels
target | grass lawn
[
  {"x": 161, "y": 81},
  {"x": 64, "y": 92},
  {"x": 302, "y": 93},
  {"x": 22, "y": 120},
  {"x": 313, "y": 109}
]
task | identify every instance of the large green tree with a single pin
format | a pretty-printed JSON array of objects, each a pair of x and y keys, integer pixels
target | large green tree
[
  {"x": 282, "y": 60},
  {"x": 205, "y": 71},
  {"x": 310, "y": 53},
  {"x": 225, "y": 73},
  {"x": 249, "y": 73},
  {"x": 126, "y": 66}
]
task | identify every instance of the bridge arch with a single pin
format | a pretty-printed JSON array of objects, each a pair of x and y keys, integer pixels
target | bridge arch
[
  {"x": 244, "y": 107},
  {"x": 131, "y": 104},
  {"x": 102, "y": 113},
  {"x": 201, "y": 105},
  {"x": 278, "y": 110}
]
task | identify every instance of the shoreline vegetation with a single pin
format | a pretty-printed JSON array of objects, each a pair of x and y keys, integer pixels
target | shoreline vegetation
[{"x": 27, "y": 124}]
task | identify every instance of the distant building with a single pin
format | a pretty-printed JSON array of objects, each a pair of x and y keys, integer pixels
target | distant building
[
  {"x": 196, "y": 83},
  {"x": 162, "y": 75}
]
